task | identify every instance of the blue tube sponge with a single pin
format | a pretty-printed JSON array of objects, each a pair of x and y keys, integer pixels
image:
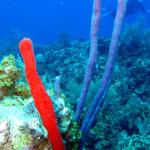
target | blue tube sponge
[
  {"x": 92, "y": 58},
  {"x": 107, "y": 77}
]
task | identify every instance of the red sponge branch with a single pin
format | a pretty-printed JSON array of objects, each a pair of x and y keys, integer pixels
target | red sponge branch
[{"x": 42, "y": 101}]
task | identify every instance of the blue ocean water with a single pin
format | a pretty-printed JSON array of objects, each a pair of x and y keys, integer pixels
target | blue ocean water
[
  {"x": 60, "y": 32},
  {"x": 43, "y": 21}
]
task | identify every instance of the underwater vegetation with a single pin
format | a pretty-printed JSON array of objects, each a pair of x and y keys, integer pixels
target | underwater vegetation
[
  {"x": 19, "y": 131},
  {"x": 47, "y": 121},
  {"x": 123, "y": 122},
  {"x": 9, "y": 75}
]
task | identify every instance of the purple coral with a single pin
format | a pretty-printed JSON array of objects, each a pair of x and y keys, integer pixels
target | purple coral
[
  {"x": 107, "y": 77},
  {"x": 57, "y": 87},
  {"x": 92, "y": 57}
]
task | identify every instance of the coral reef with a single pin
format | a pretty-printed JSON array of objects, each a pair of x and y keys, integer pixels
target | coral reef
[
  {"x": 28, "y": 130},
  {"x": 19, "y": 102},
  {"x": 17, "y": 131},
  {"x": 124, "y": 120},
  {"x": 68, "y": 127},
  {"x": 9, "y": 75}
]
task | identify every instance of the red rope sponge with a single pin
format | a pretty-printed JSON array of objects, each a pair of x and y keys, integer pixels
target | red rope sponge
[{"x": 41, "y": 99}]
